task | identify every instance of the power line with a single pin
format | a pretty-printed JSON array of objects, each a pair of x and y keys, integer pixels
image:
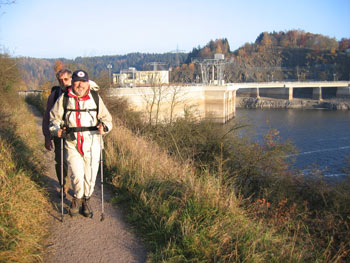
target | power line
[
  {"x": 177, "y": 51},
  {"x": 156, "y": 64}
]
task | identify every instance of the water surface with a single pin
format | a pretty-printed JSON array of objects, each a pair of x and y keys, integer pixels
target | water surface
[{"x": 321, "y": 136}]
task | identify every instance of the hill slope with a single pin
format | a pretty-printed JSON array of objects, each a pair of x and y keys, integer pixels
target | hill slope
[{"x": 288, "y": 55}]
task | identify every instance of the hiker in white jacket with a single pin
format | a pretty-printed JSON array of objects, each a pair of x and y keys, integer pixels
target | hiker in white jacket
[{"x": 81, "y": 117}]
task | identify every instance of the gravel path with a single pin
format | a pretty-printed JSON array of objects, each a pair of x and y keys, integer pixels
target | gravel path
[{"x": 81, "y": 239}]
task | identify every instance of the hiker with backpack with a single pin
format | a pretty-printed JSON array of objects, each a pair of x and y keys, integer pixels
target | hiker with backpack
[
  {"x": 81, "y": 117},
  {"x": 64, "y": 77}
]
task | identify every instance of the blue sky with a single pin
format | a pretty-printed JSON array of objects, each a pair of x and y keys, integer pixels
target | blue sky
[{"x": 72, "y": 28}]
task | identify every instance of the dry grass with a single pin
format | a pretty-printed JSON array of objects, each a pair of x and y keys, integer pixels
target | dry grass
[
  {"x": 184, "y": 217},
  {"x": 23, "y": 215}
]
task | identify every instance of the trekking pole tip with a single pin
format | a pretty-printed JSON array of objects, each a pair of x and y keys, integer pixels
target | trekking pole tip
[{"x": 102, "y": 217}]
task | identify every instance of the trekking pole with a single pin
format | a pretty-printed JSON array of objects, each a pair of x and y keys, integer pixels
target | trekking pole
[
  {"x": 101, "y": 171},
  {"x": 62, "y": 179}
]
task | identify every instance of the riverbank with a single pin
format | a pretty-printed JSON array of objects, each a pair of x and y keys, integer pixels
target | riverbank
[
  {"x": 186, "y": 214},
  {"x": 270, "y": 103}
]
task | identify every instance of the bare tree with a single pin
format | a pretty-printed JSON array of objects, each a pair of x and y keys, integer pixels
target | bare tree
[
  {"x": 6, "y": 2},
  {"x": 177, "y": 97},
  {"x": 159, "y": 97},
  {"x": 151, "y": 103}
]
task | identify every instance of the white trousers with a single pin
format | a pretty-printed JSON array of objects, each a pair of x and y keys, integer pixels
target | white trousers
[{"x": 84, "y": 170}]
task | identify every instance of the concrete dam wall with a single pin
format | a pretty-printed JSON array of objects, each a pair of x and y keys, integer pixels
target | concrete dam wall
[{"x": 218, "y": 103}]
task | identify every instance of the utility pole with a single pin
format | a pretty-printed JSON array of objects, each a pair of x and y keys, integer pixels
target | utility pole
[
  {"x": 207, "y": 65},
  {"x": 109, "y": 66},
  {"x": 155, "y": 65},
  {"x": 177, "y": 51},
  {"x": 298, "y": 74}
]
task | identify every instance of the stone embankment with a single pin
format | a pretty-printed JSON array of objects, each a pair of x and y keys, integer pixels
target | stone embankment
[{"x": 270, "y": 103}]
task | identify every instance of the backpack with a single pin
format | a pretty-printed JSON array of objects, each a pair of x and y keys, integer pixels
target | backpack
[
  {"x": 93, "y": 87},
  {"x": 95, "y": 96},
  {"x": 56, "y": 89}
]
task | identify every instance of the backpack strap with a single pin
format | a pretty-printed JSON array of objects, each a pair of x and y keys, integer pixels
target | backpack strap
[
  {"x": 65, "y": 103},
  {"x": 87, "y": 110},
  {"x": 81, "y": 129},
  {"x": 56, "y": 89},
  {"x": 95, "y": 97}
]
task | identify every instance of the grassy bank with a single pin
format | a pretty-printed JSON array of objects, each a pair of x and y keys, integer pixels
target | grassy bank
[
  {"x": 202, "y": 194},
  {"x": 23, "y": 203},
  {"x": 185, "y": 217}
]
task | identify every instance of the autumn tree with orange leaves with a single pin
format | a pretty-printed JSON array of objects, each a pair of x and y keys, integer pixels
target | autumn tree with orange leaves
[{"x": 58, "y": 66}]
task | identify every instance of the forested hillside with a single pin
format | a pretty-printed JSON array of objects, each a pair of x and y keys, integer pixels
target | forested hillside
[
  {"x": 37, "y": 72},
  {"x": 288, "y": 55},
  {"x": 291, "y": 55}
]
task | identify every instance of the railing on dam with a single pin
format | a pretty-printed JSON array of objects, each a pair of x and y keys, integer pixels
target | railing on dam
[
  {"x": 286, "y": 89},
  {"x": 25, "y": 93},
  {"x": 293, "y": 84}
]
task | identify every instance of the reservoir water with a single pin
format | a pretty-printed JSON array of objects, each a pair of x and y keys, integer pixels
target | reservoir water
[{"x": 321, "y": 136}]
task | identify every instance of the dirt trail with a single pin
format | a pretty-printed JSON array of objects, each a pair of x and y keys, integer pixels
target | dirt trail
[{"x": 81, "y": 239}]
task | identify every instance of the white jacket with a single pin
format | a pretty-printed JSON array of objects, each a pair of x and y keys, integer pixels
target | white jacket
[{"x": 87, "y": 119}]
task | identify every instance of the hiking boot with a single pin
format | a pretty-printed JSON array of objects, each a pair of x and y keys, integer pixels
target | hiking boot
[
  {"x": 87, "y": 210},
  {"x": 75, "y": 206}
]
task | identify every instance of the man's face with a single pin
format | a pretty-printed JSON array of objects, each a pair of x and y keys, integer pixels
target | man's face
[
  {"x": 65, "y": 80},
  {"x": 80, "y": 88}
]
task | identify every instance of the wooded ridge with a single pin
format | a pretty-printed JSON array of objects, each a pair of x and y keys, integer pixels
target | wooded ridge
[{"x": 291, "y": 55}]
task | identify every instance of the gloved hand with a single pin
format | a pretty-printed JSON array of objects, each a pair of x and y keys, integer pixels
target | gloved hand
[
  {"x": 102, "y": 128},
  {"x": 62, "y": 133},
  {"x": 48, "y": 144}
]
